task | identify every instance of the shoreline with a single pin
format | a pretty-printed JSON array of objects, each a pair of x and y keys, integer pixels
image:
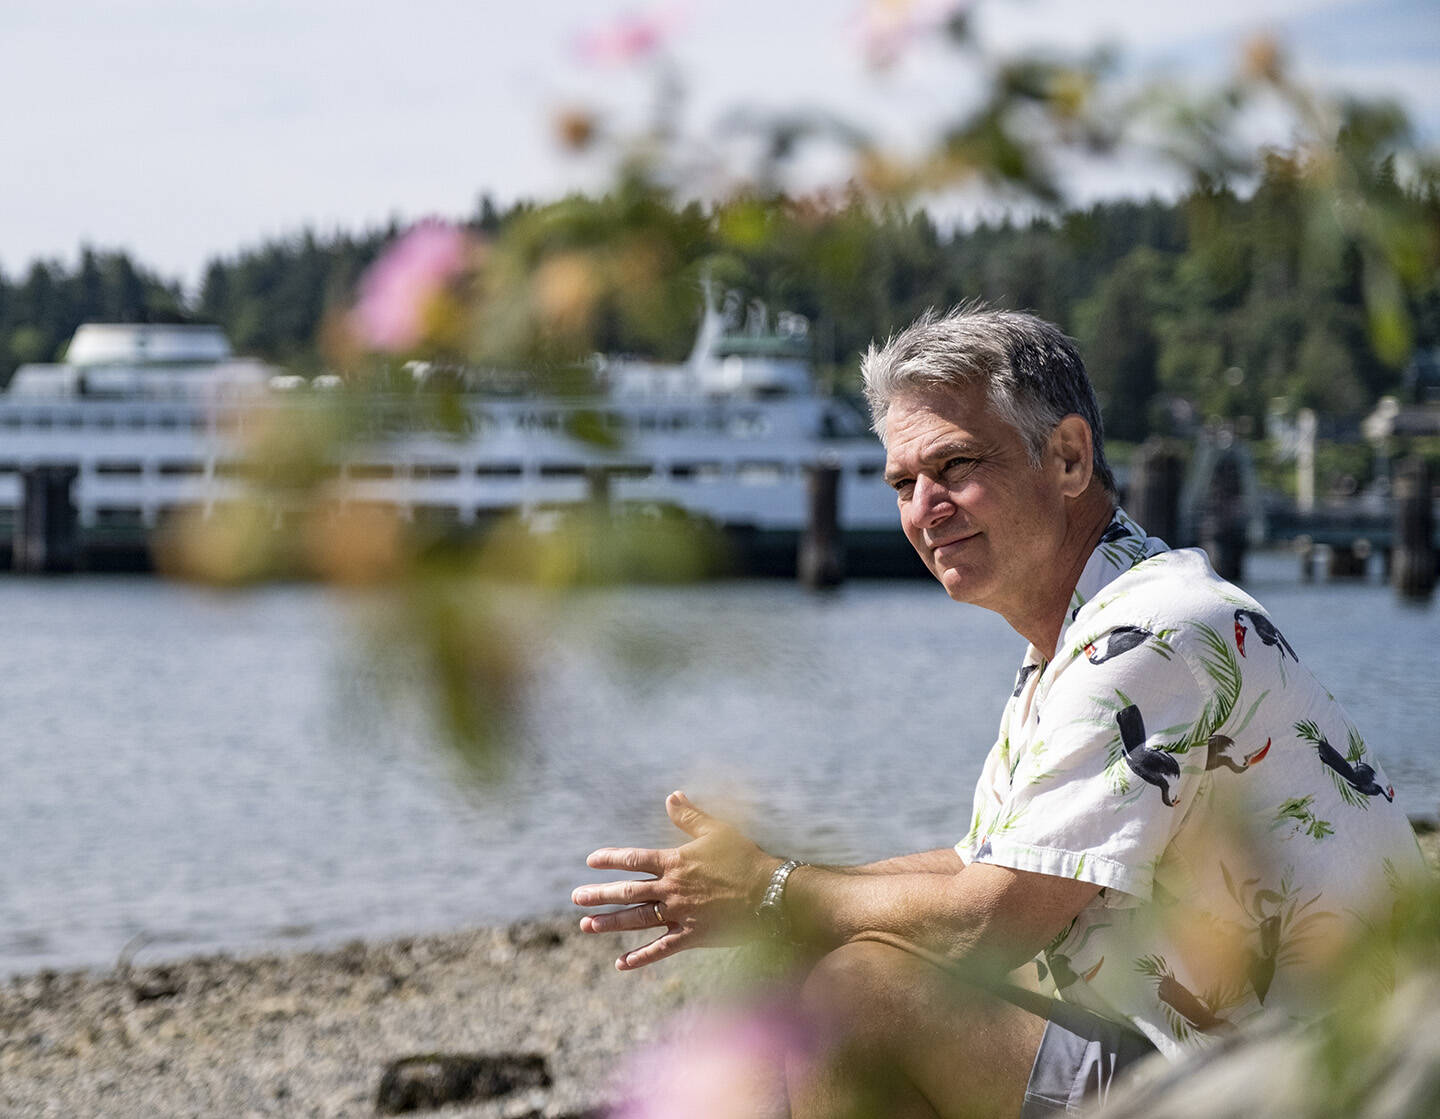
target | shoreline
[{"x": 312, "y": 1032}]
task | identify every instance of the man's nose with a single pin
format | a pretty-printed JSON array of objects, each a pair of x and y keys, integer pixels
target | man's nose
[{"x": 931, "y": 502}]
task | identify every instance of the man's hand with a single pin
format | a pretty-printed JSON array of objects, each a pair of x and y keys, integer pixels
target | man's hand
[{"x": 706, "y": 890}]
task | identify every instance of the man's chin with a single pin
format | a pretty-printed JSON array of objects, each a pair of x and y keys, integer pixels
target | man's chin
[{"x": 961, "y": 586}]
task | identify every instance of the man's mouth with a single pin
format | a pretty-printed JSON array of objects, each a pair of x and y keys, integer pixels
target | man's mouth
[{"x": 953, "y": 546}]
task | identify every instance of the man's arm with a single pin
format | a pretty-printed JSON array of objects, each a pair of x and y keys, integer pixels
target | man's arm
[
  {"x": 707, "y": 891},
  {"x": 943, "y": 860},
  {"x": 981, "y": 912}
]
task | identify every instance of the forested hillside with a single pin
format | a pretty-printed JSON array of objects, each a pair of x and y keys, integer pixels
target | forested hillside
[{"x": 1209, "y": 306}]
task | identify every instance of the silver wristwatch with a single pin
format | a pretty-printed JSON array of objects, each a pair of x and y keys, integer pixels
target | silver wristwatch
[{"x": 771, "y": 910}]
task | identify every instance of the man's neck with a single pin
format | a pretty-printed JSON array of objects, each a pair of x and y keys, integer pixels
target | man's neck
[{"x": 1085, "y": 524}]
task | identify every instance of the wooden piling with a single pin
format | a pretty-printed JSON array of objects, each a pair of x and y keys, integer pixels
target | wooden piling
[
  {"x": 821, "y": 561},
  {"x": 1346, "y": 562},
  {"x": 46, "y": 532},
  {"x": 1222, "y": 522},
  {"x": 1154, "y": 497},
  {"x": 1413, "y": 561}
]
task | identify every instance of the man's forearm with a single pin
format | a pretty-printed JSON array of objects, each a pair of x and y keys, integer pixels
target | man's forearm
[
  {"x": 991, "y": 915},
  {"x": 827, "y": 906},
  {"x": 943, "y": 860}
]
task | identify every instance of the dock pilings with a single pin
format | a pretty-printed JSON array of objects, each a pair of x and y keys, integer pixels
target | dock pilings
[
  {"x": 1412, "y": 560},
  {"x": 46, "y": 537},
  {"x": 821, "y": 562}
]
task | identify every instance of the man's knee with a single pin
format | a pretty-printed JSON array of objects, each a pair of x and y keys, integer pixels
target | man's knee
[{"x": 867, "y": 990}]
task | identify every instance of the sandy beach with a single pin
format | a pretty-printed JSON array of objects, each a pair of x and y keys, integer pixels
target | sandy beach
[{"x": 312, "y": 1033}]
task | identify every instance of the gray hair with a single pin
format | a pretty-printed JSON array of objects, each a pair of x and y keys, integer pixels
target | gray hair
[{"x": 1032, "y": 373}]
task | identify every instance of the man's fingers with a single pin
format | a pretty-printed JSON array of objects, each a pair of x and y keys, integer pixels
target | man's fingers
[
  {"x": 638, "y": 859},
  {"x": 623, "y": 920},
  {"x": 629, "y": 892},
  {"x": 657, "y": 949},
  {"x": 685, "y": 816}
]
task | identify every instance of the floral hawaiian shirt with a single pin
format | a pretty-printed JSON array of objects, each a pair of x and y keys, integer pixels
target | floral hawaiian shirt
[{"x": 1177, "y": 753}]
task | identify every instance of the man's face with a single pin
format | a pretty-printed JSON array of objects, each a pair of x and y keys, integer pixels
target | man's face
[{"x": 987, "y": 523}]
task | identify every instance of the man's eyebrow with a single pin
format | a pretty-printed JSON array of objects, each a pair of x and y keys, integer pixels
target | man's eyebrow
[{"x": 940, "y": 453}]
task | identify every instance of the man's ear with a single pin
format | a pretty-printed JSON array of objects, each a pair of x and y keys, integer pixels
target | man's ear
[{"x": 1073, "y": 450}]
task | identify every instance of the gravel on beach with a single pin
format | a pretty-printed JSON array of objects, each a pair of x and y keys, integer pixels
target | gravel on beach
[{"x": 312, "y": 1033}]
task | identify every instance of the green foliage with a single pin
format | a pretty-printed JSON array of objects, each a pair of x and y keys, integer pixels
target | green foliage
[{"x": 1219, "y": 300}]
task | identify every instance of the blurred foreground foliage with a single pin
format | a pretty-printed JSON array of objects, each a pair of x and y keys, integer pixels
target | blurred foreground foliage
[{"x": 1306, "y": 271}]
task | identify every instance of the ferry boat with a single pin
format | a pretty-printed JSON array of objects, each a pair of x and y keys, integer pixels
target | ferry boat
[{"x": 146, "y": 421}]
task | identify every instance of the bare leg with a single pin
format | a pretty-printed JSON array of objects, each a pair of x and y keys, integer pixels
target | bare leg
[{"x": 910, "y": 1039}]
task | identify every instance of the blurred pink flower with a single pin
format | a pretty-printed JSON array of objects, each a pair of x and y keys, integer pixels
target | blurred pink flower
[
  {"x": 888, "y": 27},
  {"x": 631, "y": 38},
  {"x": 722, "y": 1065},
  {"x": 396, "y": 289}
]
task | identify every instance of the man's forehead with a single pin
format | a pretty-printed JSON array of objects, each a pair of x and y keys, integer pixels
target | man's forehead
[{"x": 916, "y": 420}]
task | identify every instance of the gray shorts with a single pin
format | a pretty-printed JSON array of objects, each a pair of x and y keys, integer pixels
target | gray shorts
[{"x": 1080, "y": 1057}]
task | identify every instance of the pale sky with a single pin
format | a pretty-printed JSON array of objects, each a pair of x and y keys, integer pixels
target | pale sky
[{"x": 184, "y": 129}]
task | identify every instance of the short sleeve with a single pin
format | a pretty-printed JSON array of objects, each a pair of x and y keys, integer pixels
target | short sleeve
[{"x": 1104, "y": 767}]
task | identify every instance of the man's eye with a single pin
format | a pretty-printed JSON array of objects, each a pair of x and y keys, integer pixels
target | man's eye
[
  {"x": 903, "y": 486},
  {"x": 960, "y": 462}
]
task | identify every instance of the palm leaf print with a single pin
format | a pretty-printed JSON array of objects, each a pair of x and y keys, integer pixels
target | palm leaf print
[
  {"x": 973, "y": 835},
  {"x": 1218, "y": 661},
  {"x": 1356, "y": 751},
  {"x": 1297, "y": 811}
]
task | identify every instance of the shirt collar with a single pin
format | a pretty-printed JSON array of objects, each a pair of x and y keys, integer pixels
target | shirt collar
[{"x": 1122, "y": 545}]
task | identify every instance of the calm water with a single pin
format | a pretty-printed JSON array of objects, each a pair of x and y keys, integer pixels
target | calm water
[{"x": 225, "y": 771}]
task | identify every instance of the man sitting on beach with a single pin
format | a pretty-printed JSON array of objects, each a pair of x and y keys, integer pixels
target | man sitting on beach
[{"x": 1177, "y": 824}]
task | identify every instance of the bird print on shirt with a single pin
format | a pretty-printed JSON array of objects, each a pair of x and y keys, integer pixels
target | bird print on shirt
[
  {"x": 1350, "y": 772},
  {"x": 1157, "y": 767},
  {"x": 1220, "y": 747},
  {"x": 1264, "y": 629},
  {"x": 1119, "y": 640}
]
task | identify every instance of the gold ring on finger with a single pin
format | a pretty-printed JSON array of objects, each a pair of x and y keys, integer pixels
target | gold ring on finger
[{"x": 659, "y": 915}]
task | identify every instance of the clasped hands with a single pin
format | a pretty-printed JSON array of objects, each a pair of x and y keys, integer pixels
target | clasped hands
[{"x": 707, "y": 889}]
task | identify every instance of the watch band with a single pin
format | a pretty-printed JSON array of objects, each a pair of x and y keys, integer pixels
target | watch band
[{"x": 771, "y": 910}]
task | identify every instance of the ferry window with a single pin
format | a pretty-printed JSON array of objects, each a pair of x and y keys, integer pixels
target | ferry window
[
  {"x": 366, "y": 471},
  {"x": 561, "y": 470},
  {"x": 117, "y": 469},
  {"x": 167, "y": 421},
  {"x": 178, "y": 468},
  {"x": 105, "y": 421},
  {"x": 646, "y": 421},
  {"x": 634, "y": 470},
  {"x": 434, "y": 470},
  {"x": 74, "y": 419},
  {"x": 498, "y": 470},
  {"x": 9, "y": 467},
  {"x": 715, "y": 422},
  {"x": 198, "y": 423},
  {"x": 41, "y": 420},
  {"x": 136, "y": 420},
  {"x": 749, "y": 424},
  {"x": 868, "y": 469},
  {"x": 760, "y": 473},
  {"x": 117, "y": 515},
  {"x": 11, "y": 419}
]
